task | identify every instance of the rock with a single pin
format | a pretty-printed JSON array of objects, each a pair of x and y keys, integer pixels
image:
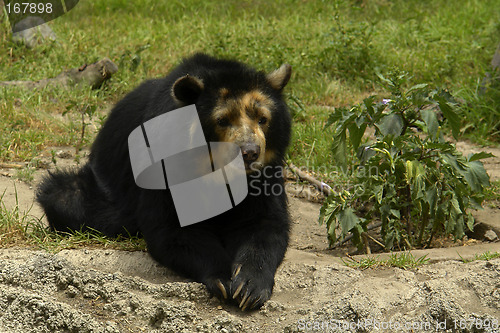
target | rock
[
  {"x": 490, "y": 235},
  {"x": 32, "y": 31},
  {"x": 63, "y": 154}
]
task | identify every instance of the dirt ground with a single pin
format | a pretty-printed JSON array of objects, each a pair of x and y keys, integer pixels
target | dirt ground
[{"x": 94, "y": 290}]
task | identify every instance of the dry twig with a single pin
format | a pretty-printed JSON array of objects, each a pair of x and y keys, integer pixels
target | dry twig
[{"x": 323, "y": 187}]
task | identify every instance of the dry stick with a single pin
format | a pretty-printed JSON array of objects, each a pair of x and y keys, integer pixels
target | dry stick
[
  {"x": 324, "y": 188},
  {"x": 373, "y": 239},
  {"x": 94, "y": 75},
  {"x": 364, "y": 235}
]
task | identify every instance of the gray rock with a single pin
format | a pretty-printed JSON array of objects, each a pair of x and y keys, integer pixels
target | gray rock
[
  {"x": 32, "y": 31},
  {"x": 490, "y": 235},
  {"x": 63, "y": 154}
]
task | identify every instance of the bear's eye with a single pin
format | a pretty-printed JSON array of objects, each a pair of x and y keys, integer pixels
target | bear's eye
[
  {"x": 223, "y": 122},
  {"x": 262, "y": 121}
]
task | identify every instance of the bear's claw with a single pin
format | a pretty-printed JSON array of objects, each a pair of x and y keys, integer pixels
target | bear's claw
[
  {"x": 236, "y": 271},
  {"x": 222, "y": 289},
  {"x": 238, "y": 290}
]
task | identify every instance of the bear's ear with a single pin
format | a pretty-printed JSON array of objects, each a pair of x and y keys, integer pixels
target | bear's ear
[
  {"x": 187, "y": 89},
  {"x": 279, "y": 77}
]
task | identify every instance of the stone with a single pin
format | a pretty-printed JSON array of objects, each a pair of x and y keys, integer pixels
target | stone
[
  {"x": 490, "y": 235},
  {"x": 32, "y": 31}
]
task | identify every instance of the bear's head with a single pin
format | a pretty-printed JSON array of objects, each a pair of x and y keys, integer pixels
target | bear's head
[{"x": 238, "y": 104}]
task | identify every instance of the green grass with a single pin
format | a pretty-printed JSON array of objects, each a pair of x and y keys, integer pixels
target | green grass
[
  {"x": 482, "y": 109},
  {"x": 492, "y": 193},
  {"x": 403, "y": 260},
  {"x": 335, "y": 47},
  {"x": 486, "y": 256}
]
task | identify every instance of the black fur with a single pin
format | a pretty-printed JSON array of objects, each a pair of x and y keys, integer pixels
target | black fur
[{"x": 250, "y": 239}]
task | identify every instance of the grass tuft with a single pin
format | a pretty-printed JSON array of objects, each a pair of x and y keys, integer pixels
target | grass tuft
[
  {"x": 486, "y": 256},
  {"x": 403, "y": 260}
]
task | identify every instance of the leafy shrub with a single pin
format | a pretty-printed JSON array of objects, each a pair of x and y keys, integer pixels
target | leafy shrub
[{"x": 410, "y": 178}]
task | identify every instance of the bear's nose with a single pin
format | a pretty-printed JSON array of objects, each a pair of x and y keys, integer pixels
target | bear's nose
[{"x": 250, "y": 152}]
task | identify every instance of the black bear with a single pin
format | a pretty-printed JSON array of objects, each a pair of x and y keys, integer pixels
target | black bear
[{"x": 236, "y": 253}]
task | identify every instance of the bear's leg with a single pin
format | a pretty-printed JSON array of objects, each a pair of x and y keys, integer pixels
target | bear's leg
[
  {"x": 259, "y": 251},
  {"x": 192, "y": 252}
]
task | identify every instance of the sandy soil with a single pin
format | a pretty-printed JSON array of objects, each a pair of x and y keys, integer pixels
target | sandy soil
[{"x": 114, "y": 291}]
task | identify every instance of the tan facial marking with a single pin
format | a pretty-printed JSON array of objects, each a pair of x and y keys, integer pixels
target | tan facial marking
[
  {"x": 244, "y": 119},
  {"x": 269, "y": 156}
]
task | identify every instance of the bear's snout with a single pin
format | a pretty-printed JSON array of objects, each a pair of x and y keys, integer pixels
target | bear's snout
[{"x": 250, "y": 152}]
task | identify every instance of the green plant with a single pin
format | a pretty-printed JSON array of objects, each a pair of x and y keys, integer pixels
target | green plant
[
  {"x": 406, "y": 260},
  {"x": 486, "y": 256},
  {"x": 409, "y": 176},
  {"x": 27, "y": 173},
  {"x": 88, "y": 110},
  {"x": 403, "y": 260},
  {"x": 53, "y": 156},
  {"x": 363, "y": 263},
  {"x": 132, "y": 59},
  {"x": 492, "y": 193}
]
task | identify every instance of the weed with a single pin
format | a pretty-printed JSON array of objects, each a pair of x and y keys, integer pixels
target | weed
[
  {"x": 53, "y": 156},
  {"x": 363, "y": 263},
  {"x": 487, "y": 256},
  {"x": 406, "y": 260},
  {"x": 492, "y": 193},
  {"x": 403, "y": 260},
  {"x": 27, "y": 173},
  {"x": 481, "y": 256}
]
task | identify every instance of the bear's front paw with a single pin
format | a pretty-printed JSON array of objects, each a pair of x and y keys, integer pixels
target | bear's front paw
[
  {"x": 250, "y": 287},
  {"x": 218, "y": 287}
]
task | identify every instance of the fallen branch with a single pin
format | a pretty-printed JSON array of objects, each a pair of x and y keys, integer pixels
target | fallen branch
[
  {"x": 94, "y": 75},
  {"x": 322, "y": 187}
]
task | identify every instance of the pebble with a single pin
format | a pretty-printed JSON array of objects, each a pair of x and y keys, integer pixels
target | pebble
[{"x": 490, "y": 235}]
